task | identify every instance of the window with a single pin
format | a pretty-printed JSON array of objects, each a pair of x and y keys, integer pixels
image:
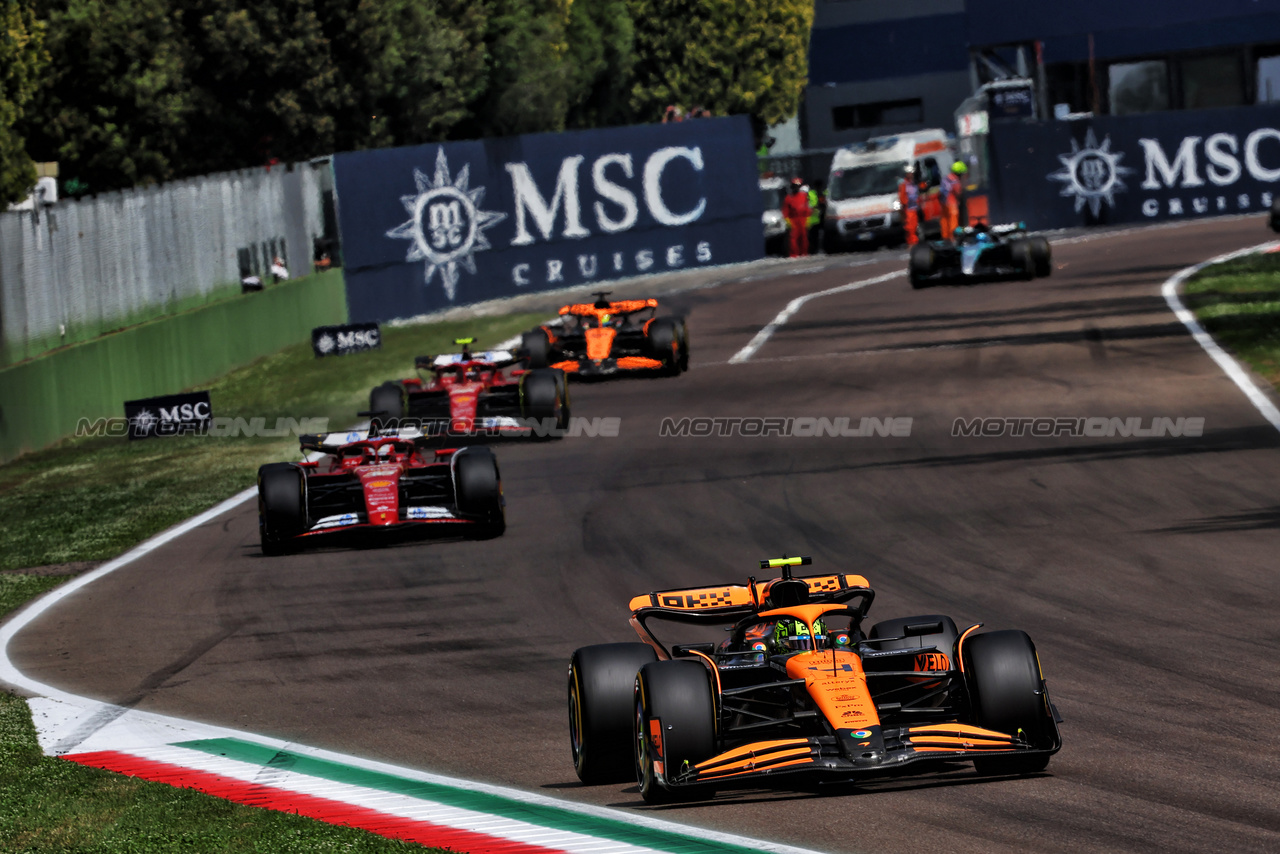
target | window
[
  {"x": 1138, "y": 87},
  {"x": 853, "y": 116},
  {"x": 1212, "y": 81},
  {"x": 1269, "y": 80}
]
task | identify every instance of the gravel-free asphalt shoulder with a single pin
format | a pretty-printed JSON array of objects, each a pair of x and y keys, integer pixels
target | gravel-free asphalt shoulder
[{"x": 1144, "y": 567}]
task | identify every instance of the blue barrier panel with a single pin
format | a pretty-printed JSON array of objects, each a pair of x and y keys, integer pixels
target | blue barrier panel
[
  {"x": 1143, "y": 168},
  {"x": 432, "y": 226}
]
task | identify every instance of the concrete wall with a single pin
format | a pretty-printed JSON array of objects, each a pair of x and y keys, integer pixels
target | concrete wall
[{"x": 41, "y": 400}]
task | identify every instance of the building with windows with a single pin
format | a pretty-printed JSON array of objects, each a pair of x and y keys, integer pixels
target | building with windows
[
  {"x": 883, "y": 66},
  {"x": 1139, "y": 56}
]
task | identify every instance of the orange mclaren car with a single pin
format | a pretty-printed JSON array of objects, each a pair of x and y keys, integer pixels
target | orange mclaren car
[
  {"x": 797, "y": 687},
  {"x": 605, "y": 337}
]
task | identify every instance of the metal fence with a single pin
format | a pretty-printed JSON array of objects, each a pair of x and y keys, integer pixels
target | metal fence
[{"x": 75, "y": 269}]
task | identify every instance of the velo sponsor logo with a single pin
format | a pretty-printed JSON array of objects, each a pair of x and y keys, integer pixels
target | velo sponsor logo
[
  {"x": 171, "y": 415},
  {"x": 342, "y": 340}
]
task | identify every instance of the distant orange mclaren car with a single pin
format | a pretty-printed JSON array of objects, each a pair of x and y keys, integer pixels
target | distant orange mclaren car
[
  {"x": 605, "y": 337},
  {"x": 797, "y": 687}
]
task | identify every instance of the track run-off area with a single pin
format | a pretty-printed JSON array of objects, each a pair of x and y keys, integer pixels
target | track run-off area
[{"x": 1143, "y": 566}]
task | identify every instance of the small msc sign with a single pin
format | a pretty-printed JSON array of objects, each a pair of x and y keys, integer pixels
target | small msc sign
[
  {"x": 341, "y": 340},
  {"x": 171, "y": 415}
]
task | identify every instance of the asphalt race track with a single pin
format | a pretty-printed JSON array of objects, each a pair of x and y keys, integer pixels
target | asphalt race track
[{"x": 1144, "y": 568}]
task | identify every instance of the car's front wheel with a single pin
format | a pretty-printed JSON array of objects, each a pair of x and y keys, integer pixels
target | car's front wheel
[
  {"x": 1006, "y": 694},
  {"x": 479, "y": 490},
  {"x": 674, "y": 727},
  {"x": 282, "y": 506}
]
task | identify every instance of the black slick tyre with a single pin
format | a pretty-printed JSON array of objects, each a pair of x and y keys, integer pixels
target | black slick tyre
[
  {"x": 1006, "y": 694},
  {"x": 1041, "y": 256},
  {"x": 537, "y": 347},
  {"x": 602, "y": 682},
  {"x": 664, "y": 344},
  {"x": 920, "y": 265},
  {"x": 386, "y": 402},
  {"x": 1023, "y": 260},
  {"x": 682, "y": 343},
  {"x": 479, "y": 490},
  {"x": 675, "y": 725},
  {"x": 544, "y": 399},
  {"x": 282, "y": 506}
]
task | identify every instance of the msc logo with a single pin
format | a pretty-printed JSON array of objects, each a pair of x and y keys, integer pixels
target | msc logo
[
  {"x": 445, "y": 223},
  {"x": 448, "y": 224},
  {"x": 1092, "y": 173}
]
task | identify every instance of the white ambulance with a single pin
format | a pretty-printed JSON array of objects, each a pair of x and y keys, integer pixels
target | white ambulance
[{"x": 862, "y": 190}]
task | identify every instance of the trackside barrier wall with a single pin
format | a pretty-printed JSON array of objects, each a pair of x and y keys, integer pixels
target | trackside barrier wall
[
  {"x": 41, "y": 400},
  {"x": 433, "y": 226},
  {"x": 1143, "y": 168},
  {"x": 77, "y": 269}
]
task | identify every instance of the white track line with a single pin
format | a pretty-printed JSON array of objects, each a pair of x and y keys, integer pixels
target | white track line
[
  {"x": 1229, "y": 365},
  {"x": 792, "y": 307}
]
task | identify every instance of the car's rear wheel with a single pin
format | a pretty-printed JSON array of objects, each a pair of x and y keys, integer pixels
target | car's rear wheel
[
  {"x": 1041, "y": 256},
  {"x": 537, "y": 347},
  {"x": 664, "y": 344},
  {"x": 675, "y": 726},
  {"x": 1006, "y": 694},
  {"x": 1023, "y": 259},
  {"x": 920, "y": 265},
  {"x": 602, "y": 682},
  {"x": 544, "y": 397},
  {"x": 386, "y": 402},
  {"x": 282, "y": 506},
  {"x": 479, "y": 490}
]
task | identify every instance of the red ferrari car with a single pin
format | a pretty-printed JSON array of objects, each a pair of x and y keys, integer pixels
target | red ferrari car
[
  {"x": 603, "y": 338},
  {"x": 363, "y": 482},
  {"x": 475, "y": 393}
]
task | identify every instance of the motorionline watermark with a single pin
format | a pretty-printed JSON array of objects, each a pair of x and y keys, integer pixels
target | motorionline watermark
[
  {"x": 249, "y": 428},
  {"x": 608, "y": 428},
  {"x": 802, "y": 427},
  {"x": 1096, "y": 427}
]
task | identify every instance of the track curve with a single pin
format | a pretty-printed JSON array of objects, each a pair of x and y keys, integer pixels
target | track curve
[{"x": 1142, "y": 567}]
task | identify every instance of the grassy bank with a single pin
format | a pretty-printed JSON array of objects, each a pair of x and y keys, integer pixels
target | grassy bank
[
  {"x": 1238, "y": 303},
  {"x": 92, "y": 498}
]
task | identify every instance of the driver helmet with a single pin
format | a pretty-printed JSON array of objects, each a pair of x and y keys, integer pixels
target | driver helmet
[
  {"x": 792, "y": 635},
  {"x": 605, "y": 318},
  {"x": 386, "y": 451}
]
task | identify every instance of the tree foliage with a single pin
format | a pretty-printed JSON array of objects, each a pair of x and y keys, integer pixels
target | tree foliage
[
  {"x": 22, "y": 59},
  {"x": 730, "y": 56},
  {"x": 116, "y": 102},
  {"x": 150, "y": 90}
]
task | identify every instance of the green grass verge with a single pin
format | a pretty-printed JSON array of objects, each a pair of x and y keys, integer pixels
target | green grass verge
[
  {"x": 1238, "y": 303},
  {"x": 93, "y": 498}
]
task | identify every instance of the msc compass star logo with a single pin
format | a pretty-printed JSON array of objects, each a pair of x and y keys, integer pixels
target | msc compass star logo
[
  {"x": 446, "y": 223},
  {"x": 144, "y": 421},
  {"x": 1092, "y": 173}
]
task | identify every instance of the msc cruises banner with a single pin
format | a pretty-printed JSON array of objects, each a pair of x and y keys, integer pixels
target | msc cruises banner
[
  {"x": 1142, "y": 168},
  {"x": 432, "y": 226}
]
